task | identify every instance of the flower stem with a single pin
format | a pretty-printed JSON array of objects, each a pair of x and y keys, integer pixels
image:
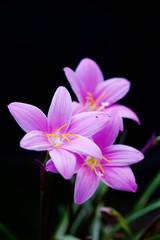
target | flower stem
[{"x": 43, "y": 225}]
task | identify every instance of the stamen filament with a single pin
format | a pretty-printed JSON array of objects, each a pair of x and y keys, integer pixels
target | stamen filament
[
  {"x": 106, "y": 159},
  {"x": 88, "y": 162},
  {"x": 101, "y": 96},
  {"x": 64, "y": 135},
  {"x": 95, "y": 161},
  {"x": 101, "y": 167},
  {"x": 61, "y": 127},
  {"x": 72, "y": 135},
  {"x": 51, "y": 135}
]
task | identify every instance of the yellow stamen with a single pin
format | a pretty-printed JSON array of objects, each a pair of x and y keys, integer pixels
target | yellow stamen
[
  {"x": 90, "y": 97},
  {"x": 106, "y": 159},
  {"x": 64, "y": 135},
  {"x": 101, "y": 167},
  {"x": 72, "y": 135},
  {"x": 95, "y": 161},
  {"x": 93, "y": 103},
  {"x": 51, "y": 135},
  {"x": 88, "y": 162},
  {"x": 91, "y": 107},
  {"x": 101, "y": 96},
  {"x": 61, "y": 127}
]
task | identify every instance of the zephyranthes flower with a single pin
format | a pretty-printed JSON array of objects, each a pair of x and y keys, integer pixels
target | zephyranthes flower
[
  {"x": 59, "y": 133},
  {"x": 112, "y": 168},
  {"x": 94, "y": 93}
]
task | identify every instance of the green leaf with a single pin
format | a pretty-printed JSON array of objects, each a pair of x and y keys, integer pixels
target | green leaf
[
  {"x": 67, "y": 237},
  {"x": 6, "y": 232},
  {"x": 153, "y": 237},
  {"x": 154, "y": 184},
  {"x": 119, "y": 218},
  {"x": 133, "y": 217}
]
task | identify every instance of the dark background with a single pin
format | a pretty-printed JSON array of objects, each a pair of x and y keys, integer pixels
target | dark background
[{"x": 37, "y": 42}]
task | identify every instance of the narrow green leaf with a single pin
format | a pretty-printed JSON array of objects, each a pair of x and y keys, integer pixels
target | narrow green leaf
[
  {"x": 133, "y": 217},
  {"x": 62, "y": 226},
  {"x": 6, "y": 232},
  {"x": 153, "y": 237},
  {"x": 155, "y": 183},
  {"x": 67, "y": 237},
  {"x": 119, "y": 218}
]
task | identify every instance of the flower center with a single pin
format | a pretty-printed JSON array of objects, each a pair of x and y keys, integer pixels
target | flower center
[
  {"x": 57, "y": 139},
  {"x": 93, "y": 103},
  {"x": 96, "y": 165}
]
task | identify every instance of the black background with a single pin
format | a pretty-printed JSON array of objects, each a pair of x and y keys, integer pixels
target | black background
[{"x": 37, "y": 42}]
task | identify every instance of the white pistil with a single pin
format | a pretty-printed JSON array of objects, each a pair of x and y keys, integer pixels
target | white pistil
[{"x": 103, "y": 105}]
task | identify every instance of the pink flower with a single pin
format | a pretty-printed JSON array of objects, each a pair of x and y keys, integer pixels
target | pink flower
[
  {"x": 94, "y": 93},
  {"x": 112, "y": 168},
  {"x": 59, "y": 133}
]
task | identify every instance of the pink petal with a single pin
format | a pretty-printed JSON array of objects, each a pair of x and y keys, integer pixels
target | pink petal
[
  {"x": 88, "y": 123},
  {"x": 108, "y": 135},
  {"x": 114, "y": 89},
  {"x": 126, "y": 112},
  {"x": 83, "y": 145},
  {"x": 64, "y": 161},
  {"x": 76, "y": 84},
  {"x": 60, "y": 110},
  {"x": 119, "y": 178},
  {"x": 28, "y": 116},
  {"x": 90, "y": 74},
  {"x": 122, "y": 155},
  {"x": 50, "y": 167},
  {"x": 77, "y": 108},
  {"x": 85, "y": 185},
  {"x": 35, "y": 140}
]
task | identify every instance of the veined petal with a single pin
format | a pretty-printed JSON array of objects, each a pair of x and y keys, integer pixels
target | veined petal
[
  {"x": 122, "y": 155},
  {"x": 64, "y": 161},
  {"x": 114, "y": 88},
  {"x": 84, "y": 146},
  {"x": 109, "y": 133},
  {"x": 77, "y": 108},
  {"x": 76, "y": 83},
  {"x": 126, "y": 112},
  {"x": 88, "y": 123},
  {"x": 50, "y": 167},
  {"x": 85, "y": 185},
  {"x": 90, "y": 75},
  {"x": 28, "y": 116},
  {"x": 35, "y": 140},
  {"x": 60, "y": 110},
  {"x": 119, "y": 178}
]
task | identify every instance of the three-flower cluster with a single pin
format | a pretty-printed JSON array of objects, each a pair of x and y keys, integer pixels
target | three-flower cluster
[{"x": 80, "y": 136}]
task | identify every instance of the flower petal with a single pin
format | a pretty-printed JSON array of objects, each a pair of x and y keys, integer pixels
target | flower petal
[
  {"x": 35, "y": 140},
  {"x": 85, "y": 185},
  {"x": 88, "y": 123},
  {"x": 50, "y": 167},
  {"x": 126, "y": 112},
  {"x": 119, "y": 178},
  {"x": 28, "y": 116},
  {"x": 90, "y": 74},
  {"x": 83, "y": 145},
  {"x": 108, "y": 135},
  {"x": 76, "y": 84},
  {"x": 122, "y": 155},
  {"x": 77, "y": 108},
  {"x": 114, "y": 89},
  {"x": 60, "y": 110},
  {"x": 64, "y": 161}
]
